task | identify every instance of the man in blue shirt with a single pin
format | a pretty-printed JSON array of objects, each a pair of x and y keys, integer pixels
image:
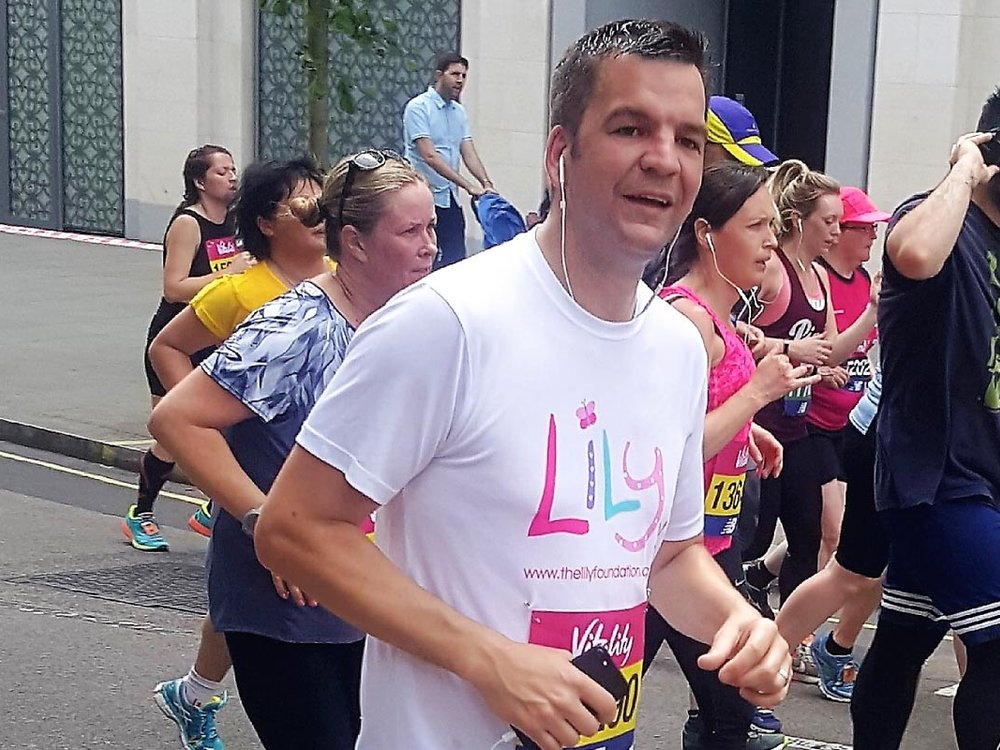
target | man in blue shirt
[
  {"x": 938, "y": 449},
  {"x": 436, "y": 132}
]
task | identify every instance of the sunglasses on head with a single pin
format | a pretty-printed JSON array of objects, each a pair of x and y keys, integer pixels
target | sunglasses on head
[{"x": 364, "y": 161}]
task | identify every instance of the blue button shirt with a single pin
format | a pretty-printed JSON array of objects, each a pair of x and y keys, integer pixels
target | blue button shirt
[{"x": 428, "y": 115}]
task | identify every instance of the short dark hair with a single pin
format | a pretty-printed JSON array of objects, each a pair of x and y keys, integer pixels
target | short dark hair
[
  {"x": 725, "y": 187},
  {"x": 264, "y": 185},
  {"x": 445, "y": 60},
  {"x": 990, "y": 117},
  {"x": 575, "y": 75}
]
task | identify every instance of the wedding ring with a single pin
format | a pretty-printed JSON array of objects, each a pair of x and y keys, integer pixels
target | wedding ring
[{"x": 784, "y": 676}]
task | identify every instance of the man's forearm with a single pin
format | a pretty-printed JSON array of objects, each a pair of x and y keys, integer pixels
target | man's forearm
[
  {"x": 439, "y": 165},
  {"x": 693, "y": 594}
]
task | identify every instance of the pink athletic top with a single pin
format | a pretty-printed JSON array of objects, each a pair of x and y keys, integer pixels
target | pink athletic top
[
  {"x": 831, "y": 406},
  {"x": 725, "y": 472}
]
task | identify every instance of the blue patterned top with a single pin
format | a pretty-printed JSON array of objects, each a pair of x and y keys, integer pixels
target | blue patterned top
[{"x": 276, "y": 364}]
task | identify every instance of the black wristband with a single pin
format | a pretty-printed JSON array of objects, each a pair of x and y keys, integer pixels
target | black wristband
[{"x": 784, "y": 346}]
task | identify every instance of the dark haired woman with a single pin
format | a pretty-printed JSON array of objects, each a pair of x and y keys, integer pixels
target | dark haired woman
[
  {"x": 198, "y": 247},
  {"x": 721, "y": 253}
]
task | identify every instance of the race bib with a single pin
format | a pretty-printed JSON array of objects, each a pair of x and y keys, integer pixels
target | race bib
[
  {"x": 859, "y": 372},
  {"x": 724, "y": 495},
  {"x": 221, "y": 252},
  {"x": 622, "y": 633},
  {"x": 796, "y": 403}
]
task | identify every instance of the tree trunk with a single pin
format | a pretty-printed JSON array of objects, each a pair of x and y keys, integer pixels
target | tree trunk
[{"x": 318, "y": 45}]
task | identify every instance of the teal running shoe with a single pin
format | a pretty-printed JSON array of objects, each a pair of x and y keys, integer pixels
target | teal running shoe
[
  {"x": 143, "y": 532},
  {"x": 836, "y": 673},
  {"x": 201, "y": 521},
  {"x": 196, "y": 725}
]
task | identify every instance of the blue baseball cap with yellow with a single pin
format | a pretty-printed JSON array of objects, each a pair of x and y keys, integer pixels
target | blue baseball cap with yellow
[{"x": 731, "y": 126}]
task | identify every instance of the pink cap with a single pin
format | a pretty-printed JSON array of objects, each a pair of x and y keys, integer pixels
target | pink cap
[{"x": 858, "y": 208}]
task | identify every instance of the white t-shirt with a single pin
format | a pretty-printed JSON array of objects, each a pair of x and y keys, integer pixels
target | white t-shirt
[{"x": 529, "y": 459}]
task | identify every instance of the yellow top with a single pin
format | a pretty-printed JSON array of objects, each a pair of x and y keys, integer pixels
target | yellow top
[{"x": 223, "y": 304}]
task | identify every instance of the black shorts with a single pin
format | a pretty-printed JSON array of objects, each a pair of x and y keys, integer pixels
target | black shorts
[
  {"x": 156, "y": 388},
  {"x": 863, "y": 548},
  {"x": 828, "y": 449}
]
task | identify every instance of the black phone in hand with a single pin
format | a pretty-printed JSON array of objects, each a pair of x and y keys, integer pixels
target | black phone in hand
[
  {"x": 598, "y": 665},
  {"x": 991, "y": 149}
]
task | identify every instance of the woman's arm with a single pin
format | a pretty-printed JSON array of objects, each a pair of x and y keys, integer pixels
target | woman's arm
[
  {"x": 188, "y": 422},
  {"x": 181, "y": 244},
  {"x": 171, "y": 350},
  {"x": 843, "y": 344}
]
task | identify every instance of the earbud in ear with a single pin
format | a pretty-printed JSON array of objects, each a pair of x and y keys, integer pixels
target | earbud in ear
[
  {"x": 562, "y": 179},
  {"x": 710, "y": 241},
  {"x": 798, "y": 224}
]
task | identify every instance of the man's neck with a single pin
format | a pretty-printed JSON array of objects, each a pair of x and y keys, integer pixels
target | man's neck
[{"x": 602, "y": 292}]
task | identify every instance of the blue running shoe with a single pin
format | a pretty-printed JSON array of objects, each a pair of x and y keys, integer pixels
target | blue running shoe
[
  {"x": 143, "y": 532},
  {"x": 197, "y": 725},
  {"x": 765, "y": 722},
  {"x": 201, "y": 521},
  {"x": 836, "y": 673}
]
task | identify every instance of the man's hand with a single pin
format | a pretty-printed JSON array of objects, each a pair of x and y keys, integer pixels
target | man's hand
[
  {"x": 474, "y": 190},
  {"x": 751, "y": 655},
  {"x": 539, "y": 691},
  {"x": 966, "y": 155},
  {"x": 286, "y": 590}
]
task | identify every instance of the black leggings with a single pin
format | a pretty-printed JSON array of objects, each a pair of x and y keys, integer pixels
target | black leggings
[
  {"x": 887, "y": 685},
  {"x": 299, "y": 695},
  {"x": 724, "y": 714},
  {"x": 796, "y": 498}
]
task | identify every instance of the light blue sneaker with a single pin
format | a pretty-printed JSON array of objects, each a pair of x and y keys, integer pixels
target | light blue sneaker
[
  {"x": 197, "y": 725},
  {"x": 143, "y": 532},
  {"x": 201, "y": 521},
  {"x": 836, "y": 673}
]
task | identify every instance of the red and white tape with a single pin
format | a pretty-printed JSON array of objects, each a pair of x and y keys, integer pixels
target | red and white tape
[{"x": 93, "y": 239}]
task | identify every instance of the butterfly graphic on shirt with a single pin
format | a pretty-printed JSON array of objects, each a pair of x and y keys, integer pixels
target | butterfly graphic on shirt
[{"x": 586, "y": 414}]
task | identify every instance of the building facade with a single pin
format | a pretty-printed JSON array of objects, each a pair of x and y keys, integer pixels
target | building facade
[{"x": 100, "y": 100}]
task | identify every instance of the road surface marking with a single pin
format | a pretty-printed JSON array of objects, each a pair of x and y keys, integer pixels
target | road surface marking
[{"x": 95, "y": 477}]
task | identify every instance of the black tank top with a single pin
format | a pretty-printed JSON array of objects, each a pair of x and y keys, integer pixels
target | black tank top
[
  {"x": 216, "y": 250},
  {"x": 785, "y": 418}
]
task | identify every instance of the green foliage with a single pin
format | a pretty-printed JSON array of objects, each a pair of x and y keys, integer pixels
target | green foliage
[{"x": 349, "y": 25}]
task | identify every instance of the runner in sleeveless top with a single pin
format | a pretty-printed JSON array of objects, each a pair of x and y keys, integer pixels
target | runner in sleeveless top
[
  {"x": 198, "y": 247},
  {"x": 851, "y": 293},
  {"x": 810, "y": 211},
  {"x": 721, "y": 251},
  {"x": 287, "y": 252}
]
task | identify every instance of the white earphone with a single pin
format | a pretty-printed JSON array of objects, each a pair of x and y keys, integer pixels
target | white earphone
[
  {"x": 562, "y": 179},
  {"x": 711, "y": 243},
  {"x": 798, "y": 223}
]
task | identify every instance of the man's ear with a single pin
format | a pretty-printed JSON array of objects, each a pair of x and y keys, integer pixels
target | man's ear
[{"x": 556, "y": 145}]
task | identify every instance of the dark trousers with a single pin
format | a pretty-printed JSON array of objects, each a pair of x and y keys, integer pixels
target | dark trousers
[
  {"x": 796, "y": 498},
  {"x": 450, "y": 234},
  {"x": 724, "y": 714},
  {"x": 299, "y": 695}
]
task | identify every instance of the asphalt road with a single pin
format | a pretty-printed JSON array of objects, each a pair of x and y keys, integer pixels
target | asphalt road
[{"x": 81, "y": 647}]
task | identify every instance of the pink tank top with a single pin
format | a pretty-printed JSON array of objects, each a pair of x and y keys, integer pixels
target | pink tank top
[
  {"x": 830, "y": 406},
  {"x": 725, "y": 472}
]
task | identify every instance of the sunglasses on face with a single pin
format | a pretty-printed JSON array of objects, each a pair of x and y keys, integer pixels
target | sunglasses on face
[
  {"x": 365, "y": 161},
  {"x": 866, "y": 228}
]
